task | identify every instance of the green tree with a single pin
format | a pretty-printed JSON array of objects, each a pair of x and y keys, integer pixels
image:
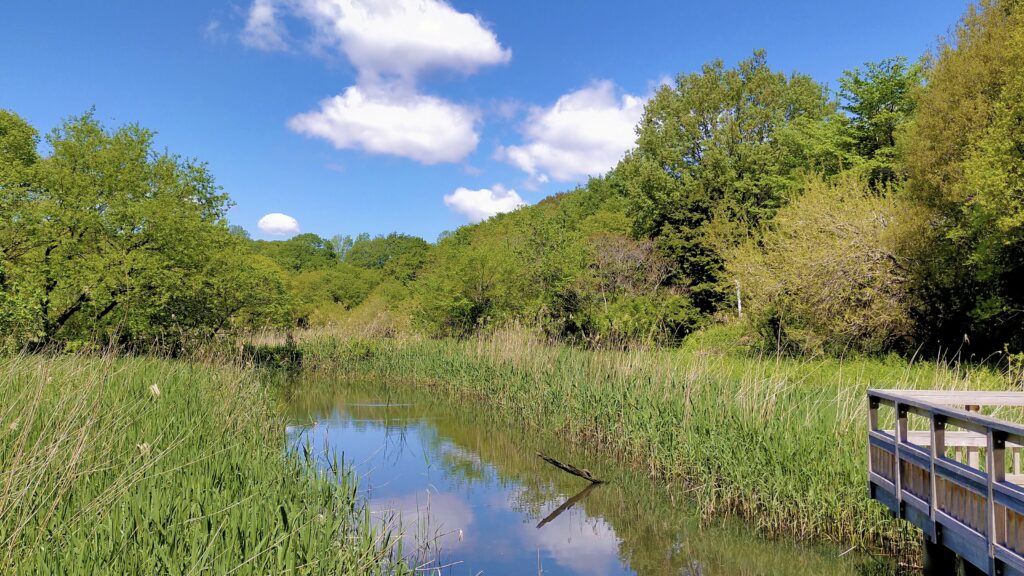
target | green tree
[
  {"x": 399, "y": 255},
  {"x": 19, "y": 314},
  {"x": 965, "y": 161},
  {"x": 879, "y": 99},
  {"x": 106, "y": 237},
  {"x": 300, "y": 253},
  {"x": 719, "y": 153}
]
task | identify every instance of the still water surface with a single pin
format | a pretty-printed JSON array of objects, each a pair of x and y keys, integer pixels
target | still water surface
[{"x": 473, "y": 497}]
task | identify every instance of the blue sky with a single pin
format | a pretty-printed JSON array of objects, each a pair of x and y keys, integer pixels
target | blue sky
[{"x": 414, "y": 116}]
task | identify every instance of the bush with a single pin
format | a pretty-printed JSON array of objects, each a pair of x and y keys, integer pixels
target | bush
[{"x": 822, "y": 276}]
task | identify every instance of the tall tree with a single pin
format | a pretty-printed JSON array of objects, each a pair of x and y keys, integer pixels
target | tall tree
[
  {"x": 719, "y": 152},
  {"x": 965, "y": 158},
  {"x": 880, "y": 101},
  {"x": 113, "y": 237}
]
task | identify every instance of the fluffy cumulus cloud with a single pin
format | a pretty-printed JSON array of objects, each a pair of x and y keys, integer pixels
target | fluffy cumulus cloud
[
  {"x": 423, "y": 128},
  {"x": 585, "y": 133},
  {"x": 479, "y": 205},
  {"x": 390, "y": 43},
  {"x": 384, "y": 37},
  {"x": 278, "y": 224}
]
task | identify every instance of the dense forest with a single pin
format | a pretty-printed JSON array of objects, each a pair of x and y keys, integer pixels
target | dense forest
[{"x": 883, "y": 214}]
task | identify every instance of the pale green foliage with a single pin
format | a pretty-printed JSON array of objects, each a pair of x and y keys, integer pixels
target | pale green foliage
[{"x": 822, "y": 275}]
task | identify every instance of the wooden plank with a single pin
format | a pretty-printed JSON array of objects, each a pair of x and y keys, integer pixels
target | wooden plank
[
  {"x": 961, "y": 475},
  {"x": 966, "y": 542},
  {"x": 953, "y": 439},
  {"x": 964, "y": 397},
  {"x": 1010, "y": 496},
  {"x": 962, "y": 418},
  {"x": 1014, "y": 564},
  {"x": 883, "y": 483},
  {"x": 915, "y": 454},
  {"x": 995, "y": 463},
  {"x": 980, "y": 513}
]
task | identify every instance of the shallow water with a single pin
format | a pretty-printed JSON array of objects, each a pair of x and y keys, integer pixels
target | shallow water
[{"x": 472, "y": 497}]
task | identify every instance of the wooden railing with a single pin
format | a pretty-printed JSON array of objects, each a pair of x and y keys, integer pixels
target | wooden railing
[{"x": 953, "y": 484}]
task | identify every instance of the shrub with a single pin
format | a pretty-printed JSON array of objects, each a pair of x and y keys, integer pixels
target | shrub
[{"x": 822, "y": 276}]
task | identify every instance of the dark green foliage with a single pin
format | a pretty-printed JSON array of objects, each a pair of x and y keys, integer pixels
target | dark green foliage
[
  {"x": 301, "y": 253},
  {"x": 719, "y": 153},
  {"x": 566, "y": 265},
  {"x": 880, "y": 101},
  {"x": 400, "y": 256}
]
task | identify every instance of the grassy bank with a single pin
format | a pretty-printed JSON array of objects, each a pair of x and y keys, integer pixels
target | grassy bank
[
  {"x": 143, "y": 466},
  {"x": 778, "y": 441}
]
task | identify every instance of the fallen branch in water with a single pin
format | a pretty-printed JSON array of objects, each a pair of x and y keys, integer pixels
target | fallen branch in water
[{"x": 581, "y": 472}]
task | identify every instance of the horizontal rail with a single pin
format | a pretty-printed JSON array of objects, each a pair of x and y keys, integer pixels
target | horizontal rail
[
  {"x": 975, "y": 508},
  {"x": 961, "y": 397}
]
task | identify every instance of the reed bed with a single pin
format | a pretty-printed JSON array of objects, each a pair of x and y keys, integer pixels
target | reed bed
[
  {"x": 147, "y": 466},
  {"x": 778, "y": 441}
]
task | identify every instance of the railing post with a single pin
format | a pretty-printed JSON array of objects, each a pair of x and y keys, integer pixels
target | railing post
[
  {"x": 901, "y": 437},
  {"x": 995, "y": 466},
  {"x": 872, "y": 426},
  {"x": 938, "y": 451},
  {"x": 972, "y": 453}
]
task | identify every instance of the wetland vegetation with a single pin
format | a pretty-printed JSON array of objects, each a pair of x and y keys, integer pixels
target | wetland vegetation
[{"x": 703, "y": 321}]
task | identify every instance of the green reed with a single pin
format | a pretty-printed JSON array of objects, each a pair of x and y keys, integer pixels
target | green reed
[
  {"x": 778, "y": 441},
  {"x": 146, "y": 466}
]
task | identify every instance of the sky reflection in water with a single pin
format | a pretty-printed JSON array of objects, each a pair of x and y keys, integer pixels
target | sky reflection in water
[{"x": 471, "y": 494}]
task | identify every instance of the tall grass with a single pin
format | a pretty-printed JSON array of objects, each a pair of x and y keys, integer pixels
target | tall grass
[
  {"x": 778, "y": 441},
  {"x": 145, "y": 466}
]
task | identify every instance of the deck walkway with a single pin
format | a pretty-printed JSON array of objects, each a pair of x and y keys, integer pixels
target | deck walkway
[{"x": 944, "y": 467}]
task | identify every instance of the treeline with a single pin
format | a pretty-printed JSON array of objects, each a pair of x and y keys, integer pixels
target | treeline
[{"x": 887, "y": 215}]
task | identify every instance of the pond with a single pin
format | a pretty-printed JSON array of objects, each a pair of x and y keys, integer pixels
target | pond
[{"x": 472, "y": 496}]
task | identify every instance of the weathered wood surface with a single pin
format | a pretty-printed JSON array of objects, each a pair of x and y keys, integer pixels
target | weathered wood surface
[
  {"x": 953, "y": 484},
  {"x": 963, "y": 397},
  {"x": 581, "y": 472}
]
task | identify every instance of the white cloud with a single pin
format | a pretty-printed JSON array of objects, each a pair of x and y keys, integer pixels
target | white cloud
[
  {"x": 478, "y": 205},
  {"x": 262, "y": 29},
  {"x": 402, "y": 123},
  {"x": 385, "y": 37},
  {"x": 585, "y": 133},
  {"x": 391, "y": 43},
  {"x": 278, "y": 224}
]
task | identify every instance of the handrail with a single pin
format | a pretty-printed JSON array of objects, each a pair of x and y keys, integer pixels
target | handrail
[{"x": 978, "y": 512}]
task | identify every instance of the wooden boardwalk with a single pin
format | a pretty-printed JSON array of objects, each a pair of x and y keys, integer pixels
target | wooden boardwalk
[{"x": 952, "y": 472}]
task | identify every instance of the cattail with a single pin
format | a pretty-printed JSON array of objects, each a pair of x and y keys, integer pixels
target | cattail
[
  {"x": 154, "y": 390},
  {"x": 143, "y": 449}
]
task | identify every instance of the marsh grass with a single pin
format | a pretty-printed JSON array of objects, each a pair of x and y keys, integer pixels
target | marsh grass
[
  {"x": 778, "y": 441},
  {"x": 145, "y": 466}
]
